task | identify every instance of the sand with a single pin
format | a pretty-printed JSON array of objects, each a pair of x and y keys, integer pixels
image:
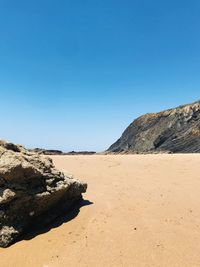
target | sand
[{"x": 140, "y": 210}]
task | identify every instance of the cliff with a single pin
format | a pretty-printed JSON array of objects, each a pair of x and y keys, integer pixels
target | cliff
[{"x": 171, "y": 131}]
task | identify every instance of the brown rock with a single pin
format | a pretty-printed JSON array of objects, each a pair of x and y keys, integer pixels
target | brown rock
[{"x": 31, "y": 190}]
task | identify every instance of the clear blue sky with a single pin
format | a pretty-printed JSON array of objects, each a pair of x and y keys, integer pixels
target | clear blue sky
[{"x": 75, "y": 73}]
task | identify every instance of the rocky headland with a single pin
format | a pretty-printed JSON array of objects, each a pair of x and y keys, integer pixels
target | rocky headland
[{"x": 171, "y": 131}]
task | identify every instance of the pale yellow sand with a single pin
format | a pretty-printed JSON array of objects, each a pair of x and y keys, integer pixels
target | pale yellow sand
[{"x": 146, "y": 212}]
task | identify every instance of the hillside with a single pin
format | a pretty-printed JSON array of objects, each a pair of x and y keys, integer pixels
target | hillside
[{"x": 171, "y": 131}]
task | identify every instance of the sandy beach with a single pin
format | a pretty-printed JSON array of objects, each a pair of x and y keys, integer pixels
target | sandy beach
[{"x": 139, "y": 210}]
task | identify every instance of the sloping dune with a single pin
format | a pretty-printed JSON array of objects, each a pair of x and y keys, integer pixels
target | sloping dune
[{"x": 139, "y": 210}]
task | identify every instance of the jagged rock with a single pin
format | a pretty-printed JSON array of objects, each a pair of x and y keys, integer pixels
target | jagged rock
[
  {"x": 31, "y": 191},
  {"x": 171, "y": 131}
]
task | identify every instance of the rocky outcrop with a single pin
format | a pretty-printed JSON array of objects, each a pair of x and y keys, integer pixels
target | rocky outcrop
[
  {"x": 31, "y": 191},
  {"x": 59, "y": 152},
  {"x": 47, "y": 151},
  {"x": 171, "y": 131}
]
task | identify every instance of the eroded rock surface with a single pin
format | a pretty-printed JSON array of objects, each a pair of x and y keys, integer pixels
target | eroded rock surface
[
  {"x": 171, "y": 131},
  {"x": 31, "y": 191}
]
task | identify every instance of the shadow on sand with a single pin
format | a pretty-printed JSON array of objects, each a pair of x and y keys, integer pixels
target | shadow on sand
[{"x": 68, "y": 216}]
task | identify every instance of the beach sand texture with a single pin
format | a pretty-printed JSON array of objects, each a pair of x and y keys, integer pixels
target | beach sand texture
[{"x": 139, "y": 210}]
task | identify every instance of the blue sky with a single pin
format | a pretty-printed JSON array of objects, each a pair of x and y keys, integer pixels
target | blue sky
[{"x": 75, "y": 73}]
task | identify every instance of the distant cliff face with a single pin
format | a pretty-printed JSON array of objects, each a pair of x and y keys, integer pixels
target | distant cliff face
[{"x": 171, "y": 131}]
